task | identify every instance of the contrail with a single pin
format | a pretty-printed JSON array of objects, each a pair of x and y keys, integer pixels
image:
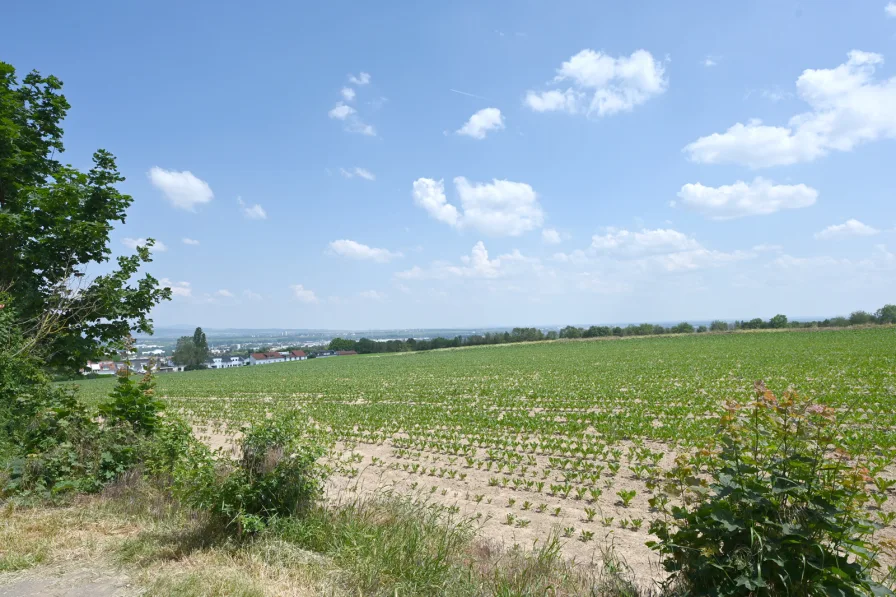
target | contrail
[{"x": 469, "y": 94}]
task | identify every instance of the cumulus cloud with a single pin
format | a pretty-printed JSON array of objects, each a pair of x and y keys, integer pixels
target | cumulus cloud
[
  {"x": 483, "y": 121},
  {"x": 890, "y": 9},
  {"x": 498, "y": 208},
  {"x": 430, "y": 195},
  {"x": 303, "y": 294},
  {"x": 359, "y": 172},
  {"x": 341, "y": 111},
  {"x": 356, "y": 250},
  {"x": 476, "y": 265},
  {"x": 348, "y": 94},
  {"x": 362, "y": 79},
  {"x": 181, "y": 289},
  {"x": 710, "y": 61},
  {"x": 760, "y": 197},
  {"x": 190, "y": 241},
  {"x": 550, "y": 236},
  {"x": 252, "y": 296},
  {"x": 224, "y": 293},
  {"x": 252, "y": 212},
  {"x": 848, "y": 107},
  {"x": 182, "y": 189},
  {"x": 133, "y": 243},
  {"x": 847, "y": 229},
  {"x": 601, "y": 85}
]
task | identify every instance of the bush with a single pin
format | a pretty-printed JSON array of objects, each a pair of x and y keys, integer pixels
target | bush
[
  {"x": 277, "y": 476},
  {"x": 782, "y": 512}
]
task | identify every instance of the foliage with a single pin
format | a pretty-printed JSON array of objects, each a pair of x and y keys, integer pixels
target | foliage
[
  {"x": 781, "y": 514},
  {"x": 55, "y": 221},
  {"x": 134, "y": 404},
  {"x": 277, "y": 476},
  {"x": 192, "y": 351}
]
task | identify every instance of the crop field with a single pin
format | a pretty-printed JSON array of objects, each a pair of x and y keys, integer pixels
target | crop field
[{"x": 533, "y": 439}]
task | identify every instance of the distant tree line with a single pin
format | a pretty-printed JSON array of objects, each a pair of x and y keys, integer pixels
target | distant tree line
[{"x": 884, "y": 315}]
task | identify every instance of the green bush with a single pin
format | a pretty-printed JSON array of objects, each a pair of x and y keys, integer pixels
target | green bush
[
  {"x": 133, "y": 404},
  {"x": 277, "y": 476},
  {"x": 782, "y": 512}
]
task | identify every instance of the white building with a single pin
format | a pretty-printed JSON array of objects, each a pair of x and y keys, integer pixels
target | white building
[{"x": 225, "y": 362}]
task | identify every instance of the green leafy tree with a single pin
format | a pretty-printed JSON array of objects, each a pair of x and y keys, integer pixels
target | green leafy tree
[
  {"x": 886, "y": 314},
  {"x": 860, "y": 318},
  {"x": 55, "y": 221},
  {"x": 778, "y": 321},
  {"x": 191, "y": 351},
  {"x": 718, "y": 326}
]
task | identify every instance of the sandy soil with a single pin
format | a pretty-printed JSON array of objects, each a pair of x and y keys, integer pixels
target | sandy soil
[{"x": 474, "y": 497}]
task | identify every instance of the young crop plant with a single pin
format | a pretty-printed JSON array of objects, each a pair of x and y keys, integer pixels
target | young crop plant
[{"x": 626, "y": 496}]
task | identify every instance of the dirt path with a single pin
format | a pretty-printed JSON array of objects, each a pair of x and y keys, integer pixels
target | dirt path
[{"x": 89, "y": 579}]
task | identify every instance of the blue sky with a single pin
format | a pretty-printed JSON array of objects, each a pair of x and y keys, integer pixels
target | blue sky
[{"x": 371, "y": 165}]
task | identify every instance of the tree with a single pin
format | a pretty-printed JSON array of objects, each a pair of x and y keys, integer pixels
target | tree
[
  {"x": 191, "y": 351},
  {"x": 54, "y": 222},
  {"x": 886, "y": 314},
  {"x": 778, "y": 321},
  {"x": 683, "y": 328},
  {"x": 860, "y": 318},
  {"x": 718, "y": 326},
  {"x": 571, "y": 332}
]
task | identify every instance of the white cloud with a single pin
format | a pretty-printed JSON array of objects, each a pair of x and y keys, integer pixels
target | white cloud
[
  {"x": 848, "y": 107},
  {"x": 224, "y": 293},
  {"x": 133, "y": 243},
  {"x": 645, "y": 242},
  {"x": 890, "y": 9},
  {"x": 550, "y": 236},
  {"x": 849, "y": 228},
  {"x": 362, "y": 79},
  {"x": 710, "y": 61},
  {"x": 430, "y": 195},
  {"x": 760, "y": 197},
  {"x": 353, "y": 122},
  {"x": 252, "y": 296},
  {"x": 372, "y": 295},
  {"x": 498, "y": 208},
  {"x": 553, "y": 101},
  {"x": 356, "y": 250},
  {"x": 602, "y": 85},
  {"x": 341, "y": 111},
  {"x": 190, "y": 241},
  {"x": 252, "y": 212},
  {"x": 303, "y": 294},
  {"x": 483, "y": 121},
  {"x": 476, "y": 265},
  {"x": 182, "y": 189},
  {"x": 359, "y": 172},
  {"x": 666, "y": 249},
  {"x": 181, "y": 289},
  {"x": 348, "y": 94}
]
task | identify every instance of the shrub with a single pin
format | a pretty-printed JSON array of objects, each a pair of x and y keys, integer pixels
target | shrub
[
  {"x": 134, "y": 404},
  {"x": 782, "y": 512},
  {"x": 277, "y": 476}
]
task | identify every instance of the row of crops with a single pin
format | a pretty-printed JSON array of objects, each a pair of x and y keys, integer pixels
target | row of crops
[
  {"x": 550, "y": 395},
  {"x": 566, "y": 437}
]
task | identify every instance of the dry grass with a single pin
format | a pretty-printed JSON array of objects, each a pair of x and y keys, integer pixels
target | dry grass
[{"x": 383, "y": 546}]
